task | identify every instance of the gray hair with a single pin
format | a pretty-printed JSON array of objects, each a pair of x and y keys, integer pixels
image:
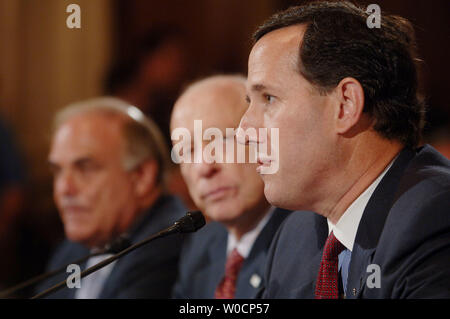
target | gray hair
[{"x": 143, "y": 139}]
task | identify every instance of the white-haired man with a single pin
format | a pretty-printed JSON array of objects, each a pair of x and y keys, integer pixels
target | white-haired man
[{"x": 109, "y": 164}]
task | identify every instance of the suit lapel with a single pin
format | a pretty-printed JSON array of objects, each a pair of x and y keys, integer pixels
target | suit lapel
[
  {"x": 372, "y": 223},
  {"x": 217, "y": 252},
  {"x": 306, "y": 259},
  {"x": 307, "y": 290},
  {"x": 150, "y": 222},
  {"x": 250, "y": 277},
  {"x": 266, "y": 235}
]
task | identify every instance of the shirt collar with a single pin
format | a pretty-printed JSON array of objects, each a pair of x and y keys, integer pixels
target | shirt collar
[
  {"x": 245, "y": 244},
  {"x": 347, "y": 226}
]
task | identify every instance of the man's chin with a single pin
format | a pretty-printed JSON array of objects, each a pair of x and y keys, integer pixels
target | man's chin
[
  {"x": 281, "y": 200},
  {"x": 78, "y": 236},
  {"x": 273, "y": 195},
  {"x": 223, "y": 214}
]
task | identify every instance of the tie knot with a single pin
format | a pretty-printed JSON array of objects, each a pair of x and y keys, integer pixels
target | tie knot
[{"x": 333, "y": 247}]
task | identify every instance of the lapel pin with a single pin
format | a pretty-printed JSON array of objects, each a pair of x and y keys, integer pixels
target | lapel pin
[{"x": 255, "y": 280}]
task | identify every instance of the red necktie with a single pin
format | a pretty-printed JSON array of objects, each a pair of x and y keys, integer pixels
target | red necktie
[
  {"x": 227, "y": 287},
  {"x": 328, "y": 278}
]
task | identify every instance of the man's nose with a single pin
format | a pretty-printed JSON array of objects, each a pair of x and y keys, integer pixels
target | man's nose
[
  {"x": 66, "y": 183},
  {"x": 247, "y": 132},
  {"x": 207, "y": 170}
]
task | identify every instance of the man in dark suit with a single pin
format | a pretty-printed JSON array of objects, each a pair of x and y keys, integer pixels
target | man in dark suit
[
  {"x": 344, "y": 98},
  {"x": 109, "y": 164},
  {"x": 225, "y": 259}
]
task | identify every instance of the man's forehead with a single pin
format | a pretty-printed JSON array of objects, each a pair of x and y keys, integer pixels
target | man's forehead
[
  {"x": 215, "y": 92},
  {"x": 290, "y": 35},
  {"x": 215, "y": 106},
  {"x": 275, "y": 52},
  {"x": 278, "y": 43},
  {"x": 210, "y": 118},
  {"x": 88, "y": 133}
]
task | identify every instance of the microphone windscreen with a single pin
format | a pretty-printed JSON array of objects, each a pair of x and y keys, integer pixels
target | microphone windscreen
[{"x": 192, "y": 222}]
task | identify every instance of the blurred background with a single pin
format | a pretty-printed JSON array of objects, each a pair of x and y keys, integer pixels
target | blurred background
[{"x": 143, "y": 51}]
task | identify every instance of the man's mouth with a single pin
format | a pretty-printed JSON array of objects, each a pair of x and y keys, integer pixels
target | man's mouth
[
  {"x": 217, "y": 193},
  {"x": 263, "y": 162},
  {"x": 74, "y": 210}
]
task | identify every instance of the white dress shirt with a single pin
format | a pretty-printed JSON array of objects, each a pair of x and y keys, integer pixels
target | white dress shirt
[
  {"x": 347, "y": 226},
  {"x": 91, "y": 285},
  {"x": 245, "y": 244}
]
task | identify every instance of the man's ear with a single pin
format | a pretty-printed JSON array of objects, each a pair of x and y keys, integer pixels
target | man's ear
[
  {"x": 350, "y": 98},
  {"x": 145, "y": 176}
]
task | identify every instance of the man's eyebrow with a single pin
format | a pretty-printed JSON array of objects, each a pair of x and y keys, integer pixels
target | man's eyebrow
[
  {"x": 84, "y": 160},
  {"x": 258, "y": 87}
]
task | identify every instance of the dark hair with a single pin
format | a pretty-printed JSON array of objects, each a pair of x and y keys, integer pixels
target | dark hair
[{"x": 338, "y": 43}]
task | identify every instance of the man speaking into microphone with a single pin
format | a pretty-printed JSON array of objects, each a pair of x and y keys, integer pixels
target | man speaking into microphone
[
  {"x": 345, "y": 99},
  {"x": 109, "y": 163}
]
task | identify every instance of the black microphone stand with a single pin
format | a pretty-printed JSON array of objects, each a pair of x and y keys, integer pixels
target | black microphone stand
[
  {"x": 163, "y": 233},
  {"x": 191, "y": 222}
]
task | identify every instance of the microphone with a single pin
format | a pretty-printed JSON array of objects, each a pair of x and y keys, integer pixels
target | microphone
[
  {"x": 191, "y": 222},
  {"x": 114, "y": 247}
]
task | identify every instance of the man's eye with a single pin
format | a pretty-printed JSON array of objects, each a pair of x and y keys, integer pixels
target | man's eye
[
  {"x": 187, "y": 150},
  {"x": 229, "y": 139},
  {"x": 88, "y": 167},
  {"x": 269, "y": 98}
]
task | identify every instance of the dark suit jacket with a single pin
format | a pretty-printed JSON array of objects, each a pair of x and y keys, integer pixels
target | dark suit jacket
[
  {"x": 203, "y": 258},
  {"x": 405, "y": 230},
  {"x": 147, "y": 272}
]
